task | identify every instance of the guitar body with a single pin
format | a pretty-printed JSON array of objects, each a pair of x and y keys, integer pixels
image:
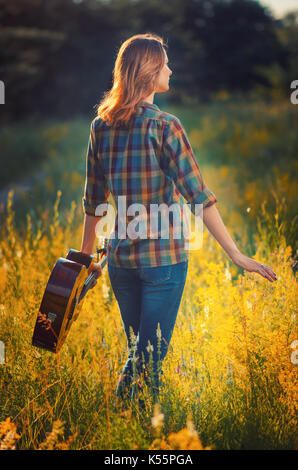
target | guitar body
[{"x": 63, "y": 298}]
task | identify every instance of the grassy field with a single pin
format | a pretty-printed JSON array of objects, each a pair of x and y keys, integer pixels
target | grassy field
[{"x": 230, "y": 381}]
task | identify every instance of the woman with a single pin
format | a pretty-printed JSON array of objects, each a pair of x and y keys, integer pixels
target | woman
[{"x": 141, "y": 154}]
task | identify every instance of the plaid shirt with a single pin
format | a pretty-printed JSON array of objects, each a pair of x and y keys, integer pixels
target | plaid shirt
[{"x": 150, "y": 162}]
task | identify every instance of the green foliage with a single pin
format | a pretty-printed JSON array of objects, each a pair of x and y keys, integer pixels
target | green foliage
[{"x": 57, "y": 58}]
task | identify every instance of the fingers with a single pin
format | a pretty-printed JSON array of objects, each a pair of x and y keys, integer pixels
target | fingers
[
  {"x": 98, "y": 272},
  {"x": 270, "y": 273},
  {"x": 267, "y": 272},
  {"x": 96, "y": 269}
]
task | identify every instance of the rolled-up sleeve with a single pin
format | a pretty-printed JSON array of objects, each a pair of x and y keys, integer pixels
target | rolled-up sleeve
[
  {"x": 96, "y": 190},
  {"x": 181, "y": 166}
]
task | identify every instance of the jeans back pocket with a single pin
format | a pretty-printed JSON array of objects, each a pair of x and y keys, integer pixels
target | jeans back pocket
[{"x": 156, "y": 273}]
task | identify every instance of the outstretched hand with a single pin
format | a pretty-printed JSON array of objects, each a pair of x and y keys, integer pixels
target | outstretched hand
[{"x": 252, "y": 265}]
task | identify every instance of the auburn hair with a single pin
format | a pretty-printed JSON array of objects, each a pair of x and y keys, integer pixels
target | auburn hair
[{"x": 139, "y": 62}]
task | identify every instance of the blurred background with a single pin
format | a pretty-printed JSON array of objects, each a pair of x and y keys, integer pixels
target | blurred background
[
  {"x": 57, "y": 56},
  {"x": 233, "y": 63}
]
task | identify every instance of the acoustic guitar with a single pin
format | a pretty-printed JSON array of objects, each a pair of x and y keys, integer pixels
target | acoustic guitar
[{"x": 70, "y": 280}]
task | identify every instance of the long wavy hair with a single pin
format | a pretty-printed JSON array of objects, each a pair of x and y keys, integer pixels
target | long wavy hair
[{"x": 139, "y": 61}]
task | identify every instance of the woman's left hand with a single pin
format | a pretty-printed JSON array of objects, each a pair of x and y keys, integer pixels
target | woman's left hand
[{"x": 252, "y": 265}]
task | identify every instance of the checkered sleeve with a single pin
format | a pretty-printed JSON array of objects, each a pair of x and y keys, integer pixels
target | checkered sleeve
[
  {"x": 96, "y": 189},
  {"x": 182, "y": 166}
]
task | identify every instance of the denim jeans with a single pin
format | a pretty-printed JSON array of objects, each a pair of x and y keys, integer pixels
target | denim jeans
[{"x": 146, "y": 297}]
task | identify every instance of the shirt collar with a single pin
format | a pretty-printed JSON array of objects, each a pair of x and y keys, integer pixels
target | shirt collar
[{"x": 148, "y": 105}]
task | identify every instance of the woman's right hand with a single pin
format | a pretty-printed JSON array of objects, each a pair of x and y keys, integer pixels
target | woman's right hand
[
  {"x": 252, "y": 265},
  {"x": 95, "y": 267}
]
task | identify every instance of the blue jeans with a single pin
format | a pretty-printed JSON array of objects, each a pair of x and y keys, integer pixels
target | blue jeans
[{"x": 146, "y": 297}]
